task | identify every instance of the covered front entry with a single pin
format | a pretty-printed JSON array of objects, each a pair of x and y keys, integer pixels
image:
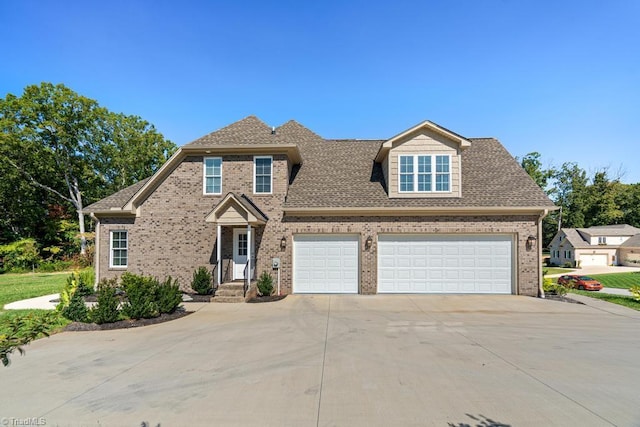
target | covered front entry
[
  {"x": 239, "y": 214},
  {"x": 324, "y": 263},
  {"x": 479, "y": 264}
]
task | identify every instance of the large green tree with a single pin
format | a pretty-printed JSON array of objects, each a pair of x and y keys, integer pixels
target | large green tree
[{"x": 56, "y": 141}]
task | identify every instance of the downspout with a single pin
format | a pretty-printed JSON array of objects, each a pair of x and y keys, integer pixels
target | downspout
[
  {"x": 540, "y": 276},
  {"x": 96, "y": 254}
]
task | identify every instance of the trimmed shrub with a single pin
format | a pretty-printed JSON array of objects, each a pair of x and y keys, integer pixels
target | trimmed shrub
[
  {"x": 567, "y": 265},
  {"x": 76, "y": 311},
  {"x": 635, "y": 291},
  {"x": 202, "y": 281},
  {"x": 106, "y": 309},
  {"x": 168, "y": 295},
  {"x": 265, "y": 284},
  {"x": 553, "y": 288},
  {"x": 141, "y": 296}
]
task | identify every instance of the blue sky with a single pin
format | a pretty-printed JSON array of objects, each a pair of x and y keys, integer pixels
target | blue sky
[{"x": 561, "y": 78}]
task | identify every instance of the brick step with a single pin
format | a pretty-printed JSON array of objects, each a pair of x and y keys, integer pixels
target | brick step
[
  {"x": 232, "y": 285},
  {"x": 224, "y": 299},
  {"x": 225, "y": 292}
]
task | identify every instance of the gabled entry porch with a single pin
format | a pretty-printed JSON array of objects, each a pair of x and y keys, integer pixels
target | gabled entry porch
[{"x": 239, "y": 225}]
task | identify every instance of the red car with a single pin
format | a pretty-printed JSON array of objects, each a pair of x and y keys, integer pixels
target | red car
[{"x": 579, "y": 282}]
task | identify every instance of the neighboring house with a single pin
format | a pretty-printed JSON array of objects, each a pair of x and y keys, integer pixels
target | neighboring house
[
  {"x": 598, "y": 245},
  {"x": 427, "y": 211}
]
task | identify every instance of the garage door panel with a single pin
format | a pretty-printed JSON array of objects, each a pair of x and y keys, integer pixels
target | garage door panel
[
  {"x": 445, "y": 264},
  {"x": 327, "y": 263}
]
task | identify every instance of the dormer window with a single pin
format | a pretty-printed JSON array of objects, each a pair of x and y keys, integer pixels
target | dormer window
[{"x": 424, "y": 173}]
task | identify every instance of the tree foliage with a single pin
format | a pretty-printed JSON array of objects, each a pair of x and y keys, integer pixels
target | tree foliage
[
  {"x": 584, "y": 201},
  {"x": 58, "y": 148}
]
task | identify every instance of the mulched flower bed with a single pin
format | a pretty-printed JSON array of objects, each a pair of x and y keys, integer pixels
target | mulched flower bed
[
  {"x": 123, "y": 324},
  {"x": 267, "y": 298}
]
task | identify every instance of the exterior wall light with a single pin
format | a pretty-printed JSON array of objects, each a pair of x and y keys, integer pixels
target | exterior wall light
[
  {"x": 283, "y": 243},
  {"x": 368, "y": 243},
  {"x": 531, "y": 241}
]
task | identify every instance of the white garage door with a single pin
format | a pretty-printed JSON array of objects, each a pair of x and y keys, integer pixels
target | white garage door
[
  {"x": 476, "y": 264},
  {"x": 325, "y": 264},
  {"x": 593, "y": 259}
]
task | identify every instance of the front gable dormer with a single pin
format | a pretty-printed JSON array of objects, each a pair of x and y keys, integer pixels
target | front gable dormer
[{"x": 423, "y": 162}]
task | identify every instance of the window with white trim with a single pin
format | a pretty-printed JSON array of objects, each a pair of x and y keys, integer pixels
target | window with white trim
[
  {"x": 567, "y": 254},
  {"x": 262, "y": 174},
  {"x": 119, "y": 249},
  {"x": 602, "y": 240},
  {"x": 212, "y": 175},
  {"x": 419, "y": 173}
]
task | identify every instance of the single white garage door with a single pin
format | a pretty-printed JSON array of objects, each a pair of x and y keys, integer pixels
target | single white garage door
[
  {"x": 478, "y": 264},
  {"x": 325, "y": 264},
  {"x": 593, "y": 259}
]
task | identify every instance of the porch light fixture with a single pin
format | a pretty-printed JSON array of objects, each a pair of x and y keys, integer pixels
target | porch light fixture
[
  {"x": 368, "y": 243},
  {"x": 283, "y": 243},
  {"x": 531, "y": 241}
]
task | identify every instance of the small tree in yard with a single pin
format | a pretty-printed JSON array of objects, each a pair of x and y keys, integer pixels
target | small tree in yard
[
  {"x": 265, "y": 284},
  {"x": 202, "y": 281}
]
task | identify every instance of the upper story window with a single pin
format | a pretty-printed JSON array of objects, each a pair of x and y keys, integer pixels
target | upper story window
[
  {"x": 212, "y": 181},
  {"x": 262, "y": 174},
  {"x": 424, "y": 174},
  {"x": 119, "y": 249},
  {"x": 602, "y": 240}
]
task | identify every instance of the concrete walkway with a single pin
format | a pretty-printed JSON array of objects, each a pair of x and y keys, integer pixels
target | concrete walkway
[
  {"x": 42, "y": 303},
  {"x": 342, "y": 360}
]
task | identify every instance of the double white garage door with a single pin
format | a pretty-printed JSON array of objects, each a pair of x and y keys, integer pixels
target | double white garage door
[{"x": 406, "y": 264}]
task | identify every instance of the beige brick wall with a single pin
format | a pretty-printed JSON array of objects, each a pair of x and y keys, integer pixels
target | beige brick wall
[{"x": 171, "y": 237}]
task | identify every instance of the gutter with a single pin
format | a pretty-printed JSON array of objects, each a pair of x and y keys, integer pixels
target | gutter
[{"x": 540, "y": 275}]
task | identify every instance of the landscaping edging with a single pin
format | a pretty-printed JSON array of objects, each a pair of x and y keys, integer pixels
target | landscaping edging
[{"x": 125, "y": 324}]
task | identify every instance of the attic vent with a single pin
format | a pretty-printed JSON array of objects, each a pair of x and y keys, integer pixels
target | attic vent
[{"x": 273, "y": 130}]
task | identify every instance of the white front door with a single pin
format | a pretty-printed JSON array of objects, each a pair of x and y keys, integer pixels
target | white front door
[{"x": 240, "y": 252}]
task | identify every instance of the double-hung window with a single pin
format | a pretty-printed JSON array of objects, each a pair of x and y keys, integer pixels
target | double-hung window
[
  {"x": 212, "y": 181},
  {"x": 602, "y": 240},
  {"x": 424, "y": 174},
  {"x": 262, "y": 174},
  {"x": 119, "y": 243}
]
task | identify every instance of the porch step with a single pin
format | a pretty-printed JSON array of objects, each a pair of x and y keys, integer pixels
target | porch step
[{"x": 229, "y": 292}]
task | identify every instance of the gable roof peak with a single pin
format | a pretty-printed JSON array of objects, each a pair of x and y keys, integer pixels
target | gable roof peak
[{"x": 426, "y": 124}]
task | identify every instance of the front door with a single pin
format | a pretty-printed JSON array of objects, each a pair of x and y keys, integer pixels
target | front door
[{"x": 240, "y": 252}]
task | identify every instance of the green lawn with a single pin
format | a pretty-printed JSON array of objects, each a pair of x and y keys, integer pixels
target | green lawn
[
  {"x": 615, "y": 299},
  {"x": 618, "y": 280},
  {"x": 16, "y": 287}
]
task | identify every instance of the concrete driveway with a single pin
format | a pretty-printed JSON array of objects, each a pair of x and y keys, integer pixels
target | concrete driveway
[{"x": 342, "y": 361}]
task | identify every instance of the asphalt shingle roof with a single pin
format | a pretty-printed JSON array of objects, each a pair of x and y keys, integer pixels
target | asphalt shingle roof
[
  {"x": 611, "y": 230},
  {"x": 632, "y": 242},
  {"x": 342, "y": 173},
  {"x": 576, "y": 239},
  {"x": 117, "y": 200}
]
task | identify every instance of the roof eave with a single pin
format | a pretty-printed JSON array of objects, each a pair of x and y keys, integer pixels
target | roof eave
[{"x": 415, "y": 210}]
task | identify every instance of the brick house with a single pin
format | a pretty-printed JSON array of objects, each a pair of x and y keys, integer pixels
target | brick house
[{"x": 427, "y": 211}]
